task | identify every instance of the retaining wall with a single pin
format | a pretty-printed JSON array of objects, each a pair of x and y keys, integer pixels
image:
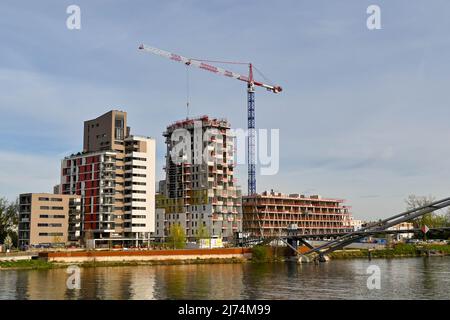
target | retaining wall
[{"x": 150, "y": 255}]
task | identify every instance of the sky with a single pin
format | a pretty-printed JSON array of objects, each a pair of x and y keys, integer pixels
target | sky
[{"x": 364, "y": 114}]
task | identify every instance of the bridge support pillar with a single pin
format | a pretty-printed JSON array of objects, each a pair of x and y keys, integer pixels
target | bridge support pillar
[
  {"x": 303, "y": 259},
  {"x": 323, "y": 258}
]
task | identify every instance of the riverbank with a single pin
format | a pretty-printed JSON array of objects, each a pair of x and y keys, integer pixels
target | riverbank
[
  {"x": 258, "y": 254},
  {"x": 398, "y": 251},
  {"x": 45, "y": 265},
  {"x": 49, "y": 260}
]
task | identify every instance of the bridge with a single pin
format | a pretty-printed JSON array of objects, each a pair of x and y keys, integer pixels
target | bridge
[{"x": 341, "y": 240}]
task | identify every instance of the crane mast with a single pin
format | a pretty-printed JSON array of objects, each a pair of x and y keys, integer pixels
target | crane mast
[{"x": 251, "y": 83}]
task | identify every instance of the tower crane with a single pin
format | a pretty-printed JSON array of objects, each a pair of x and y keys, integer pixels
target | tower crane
[{"x": 251, "y": 84}]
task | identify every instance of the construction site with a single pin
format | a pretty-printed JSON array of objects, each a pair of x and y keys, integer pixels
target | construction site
[
  {"x": 200, "y": 194},
  {"x": 272, "y": 214},
  {"x": 204, "y": 194}
]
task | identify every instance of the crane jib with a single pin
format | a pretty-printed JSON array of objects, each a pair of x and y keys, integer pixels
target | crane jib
[
  {"x": 175, "y": 57},
  {"x": 208, "y": 67}
]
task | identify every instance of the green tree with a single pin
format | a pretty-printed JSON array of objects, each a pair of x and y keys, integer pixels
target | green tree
[
  {"x": 177, "y": 237},
  {"x": 202, "y": 233},
  {"x": 9, "y": 219}
]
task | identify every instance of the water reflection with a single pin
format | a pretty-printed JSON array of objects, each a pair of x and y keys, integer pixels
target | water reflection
[{"x": 415, "y": 278}]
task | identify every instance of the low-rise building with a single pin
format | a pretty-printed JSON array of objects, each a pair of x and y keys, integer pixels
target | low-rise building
[
  {"x": 401, "y": 227},
  {"x": 46, "y": 219},
  {"x": 354, "y": 224},
  {"x": 270, "y": 214}
]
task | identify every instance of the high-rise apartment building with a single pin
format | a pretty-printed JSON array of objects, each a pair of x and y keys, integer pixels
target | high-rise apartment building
[
  {"x": 106, "y": 132},
  {"x": 199, "y": 190},
  {"x": 47, "y": 219},
  {"x": 271, "y": 213},
  {"x": 115, "y": 177}
]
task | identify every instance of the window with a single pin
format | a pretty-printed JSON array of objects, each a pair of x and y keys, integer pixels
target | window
[
  {"x": 43, "y": 199},
  {"x": 56, "y": 199}
]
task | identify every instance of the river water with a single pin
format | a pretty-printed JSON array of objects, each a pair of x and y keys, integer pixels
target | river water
[{"x": 408, "y": 278}]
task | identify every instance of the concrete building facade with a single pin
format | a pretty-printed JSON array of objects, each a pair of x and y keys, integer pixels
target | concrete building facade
[
  {"x": 47, "y": 219},
  {"x": 199, "y": 191}
]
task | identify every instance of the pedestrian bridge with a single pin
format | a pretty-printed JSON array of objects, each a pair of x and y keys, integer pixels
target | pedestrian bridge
[{"x": 341, "y": 240}]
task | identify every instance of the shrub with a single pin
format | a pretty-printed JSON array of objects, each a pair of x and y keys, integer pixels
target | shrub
[{"x": 260, "y": 253}]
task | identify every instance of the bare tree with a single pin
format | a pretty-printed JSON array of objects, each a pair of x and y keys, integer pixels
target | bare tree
[
  {"x": 432, "y": 220},
  {"x": 413, "y": 201}
]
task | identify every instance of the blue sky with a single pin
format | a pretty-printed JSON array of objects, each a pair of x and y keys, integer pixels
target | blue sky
[{"x": 364, "y": 115}]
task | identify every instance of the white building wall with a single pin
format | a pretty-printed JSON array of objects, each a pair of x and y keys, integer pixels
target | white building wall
[{"x": 146, "y": 215}]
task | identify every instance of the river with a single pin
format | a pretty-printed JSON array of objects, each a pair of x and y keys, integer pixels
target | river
[{"x": 407, "y": 278}]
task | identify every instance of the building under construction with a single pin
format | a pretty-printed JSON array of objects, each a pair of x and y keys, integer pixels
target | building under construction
[
  {"x": 270, "y": 214},
  {"x": 199, "y": 191}
]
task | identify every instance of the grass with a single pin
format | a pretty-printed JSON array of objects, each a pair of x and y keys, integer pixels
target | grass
[
  {"x": 398, "y": 251},
  {"x": 42, "y": 265},
  {"x": 26, "y": 264}
]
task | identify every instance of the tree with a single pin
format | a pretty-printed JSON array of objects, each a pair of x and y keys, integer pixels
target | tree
[
  {"x": 177, "y": 237},
  {"x": 202, "y": 233},
  {"x": 432, "y": 219},
  {"x": 9, "y": 219},
  {"x": 8, "y": 242}
]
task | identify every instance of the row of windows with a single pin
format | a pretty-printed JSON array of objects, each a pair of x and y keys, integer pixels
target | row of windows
[
  {"x": 53, "y": 216},
  {"x": 129, "y": 183},
  {"x": 50, "y": 234},
  {"x": 50, "y": 199},
  {"x": 51, "y": 208},
  {"x": 139, "y": 175},
  {"x": 133, "y": 200},
  {"x": 50, "y": 225},
  {"x": 138, "y": 224}
]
